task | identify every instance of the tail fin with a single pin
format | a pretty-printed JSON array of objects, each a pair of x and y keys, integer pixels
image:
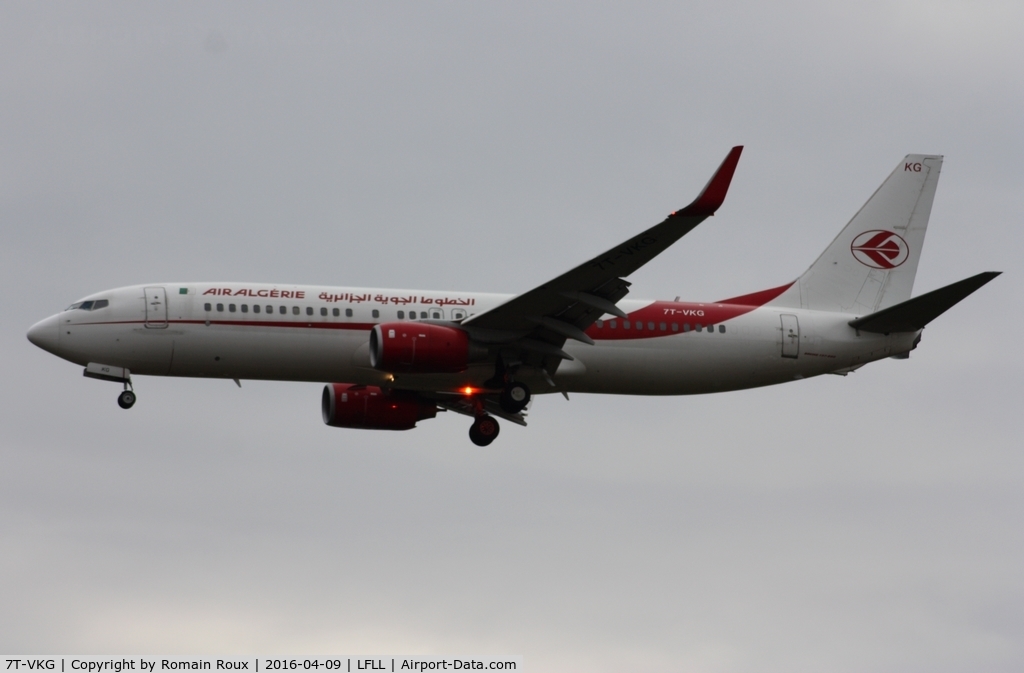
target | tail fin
[{"x": 872, "y": 263}]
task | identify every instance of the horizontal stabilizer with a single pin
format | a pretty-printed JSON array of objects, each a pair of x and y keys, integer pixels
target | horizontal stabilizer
[{"x": 914, "y": 314}]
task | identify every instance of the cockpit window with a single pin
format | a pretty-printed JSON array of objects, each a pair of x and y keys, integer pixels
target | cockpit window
[{"x": 89, "y": 305}]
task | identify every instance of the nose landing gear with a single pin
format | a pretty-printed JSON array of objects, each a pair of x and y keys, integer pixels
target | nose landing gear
[
  {"x": 126, "y": 399},
  {"x": 95, "y": 370},
  {"x": 484, "y": 430}
]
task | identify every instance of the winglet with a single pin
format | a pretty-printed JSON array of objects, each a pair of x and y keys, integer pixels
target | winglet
[{"x": 714, "y": 193}]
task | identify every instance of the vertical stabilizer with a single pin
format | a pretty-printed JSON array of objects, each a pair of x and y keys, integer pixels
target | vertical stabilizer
[{"x": 872, "y": 263}]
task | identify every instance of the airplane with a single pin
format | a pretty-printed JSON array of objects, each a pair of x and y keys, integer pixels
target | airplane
[{"x": 400, "y": 356}]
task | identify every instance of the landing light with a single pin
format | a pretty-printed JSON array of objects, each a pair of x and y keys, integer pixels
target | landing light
[{"x": 467, "y": 390}]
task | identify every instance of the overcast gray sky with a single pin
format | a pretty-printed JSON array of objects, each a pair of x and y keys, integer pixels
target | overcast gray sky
[{"x": 866, "y": 523}]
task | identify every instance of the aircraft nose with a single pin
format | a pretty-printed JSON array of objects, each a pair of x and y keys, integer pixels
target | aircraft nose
[{"x": 44, "y": 334}]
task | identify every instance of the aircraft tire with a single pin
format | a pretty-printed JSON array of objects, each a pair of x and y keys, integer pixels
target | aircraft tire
[
  {"x": 514, "y": 397},
  {"x": 126, "y": 400},
  {"x": 484, "y": 430}
]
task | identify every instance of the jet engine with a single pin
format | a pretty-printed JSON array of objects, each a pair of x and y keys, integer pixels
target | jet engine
[
  {"x": 345, "y": 405},
  {"x": 423, "y": 348}
]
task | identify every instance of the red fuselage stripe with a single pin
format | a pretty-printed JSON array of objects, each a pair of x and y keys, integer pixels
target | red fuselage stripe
[{"x": 656, "y": 320}]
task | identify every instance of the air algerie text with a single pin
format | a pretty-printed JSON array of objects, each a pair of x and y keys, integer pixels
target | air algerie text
[{"x": 246, "y": 292}]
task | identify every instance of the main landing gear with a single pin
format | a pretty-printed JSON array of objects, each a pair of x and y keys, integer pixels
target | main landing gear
[
  {"x": 484, "y": 430},
  {"x": 514, "y": 397}
]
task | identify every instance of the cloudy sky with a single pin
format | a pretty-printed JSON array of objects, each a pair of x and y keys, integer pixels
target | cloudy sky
[{"x": 866, "y": 523}]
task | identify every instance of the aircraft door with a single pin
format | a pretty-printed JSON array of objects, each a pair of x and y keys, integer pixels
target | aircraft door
[
  {"x": 156, "y": 307},
  {"x": 790, "y": 336}
]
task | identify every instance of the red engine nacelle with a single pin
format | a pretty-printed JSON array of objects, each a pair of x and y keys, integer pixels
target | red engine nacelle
[
  {"x": 418, "y": 347},
  {"x": 345, "y": 405}
]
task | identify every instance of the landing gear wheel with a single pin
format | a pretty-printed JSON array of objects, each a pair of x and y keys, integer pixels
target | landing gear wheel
[
  {"x": 126, "y": 399},
  {"x": 484, "y": 430},
  {"x": 514, "y": 397}
]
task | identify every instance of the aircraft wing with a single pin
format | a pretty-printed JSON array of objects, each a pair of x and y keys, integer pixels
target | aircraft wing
[{"x": 540, "y": 320}]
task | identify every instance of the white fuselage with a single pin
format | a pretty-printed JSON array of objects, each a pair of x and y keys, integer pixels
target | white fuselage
[{"x": 306, "y": 333}]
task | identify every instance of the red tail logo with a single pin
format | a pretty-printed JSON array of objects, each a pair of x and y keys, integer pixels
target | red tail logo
[{"x": 880, "y": 249}]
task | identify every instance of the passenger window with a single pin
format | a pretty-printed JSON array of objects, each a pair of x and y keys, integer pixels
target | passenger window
[
  {"x": 309, "y": 310},
  {"x": 335, "y": 312},
  {"x": 401, "y": 315},
  {"x": 611, "y": 323},
  {"x": 255, "y": 308},
  {"x": 220, "y": 308},
  {"x": 231, "y": 308},
  {"x": 675, "y": 327},
  {"x": 721, "y": 329},
  {"x": 348, "y": 313},
  {"x": 100, "y": 303},
  {"x": 699, "y": 328},
  {"x": 639, "y": 324},
  {"x": 295, "y": 310},
  {"x": 686, "y": 327},
  {"x": 245, "y": 308},
  {"x": 600, "y": 324},
  {"x": 376, "y": 313},
  {"x": 625, "y": 324},
  {"x": 323, "y": 311},
  {"x": 711, "y": 329},
  {"x": 458, "y": 314},
  {"x": 208, "y": 307},
  {"x": 437, "y": 314},
  {"x": 650, "y": 326},
  {"x": 663, "y": 327},
  {"x": 282, "y": 310}
]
